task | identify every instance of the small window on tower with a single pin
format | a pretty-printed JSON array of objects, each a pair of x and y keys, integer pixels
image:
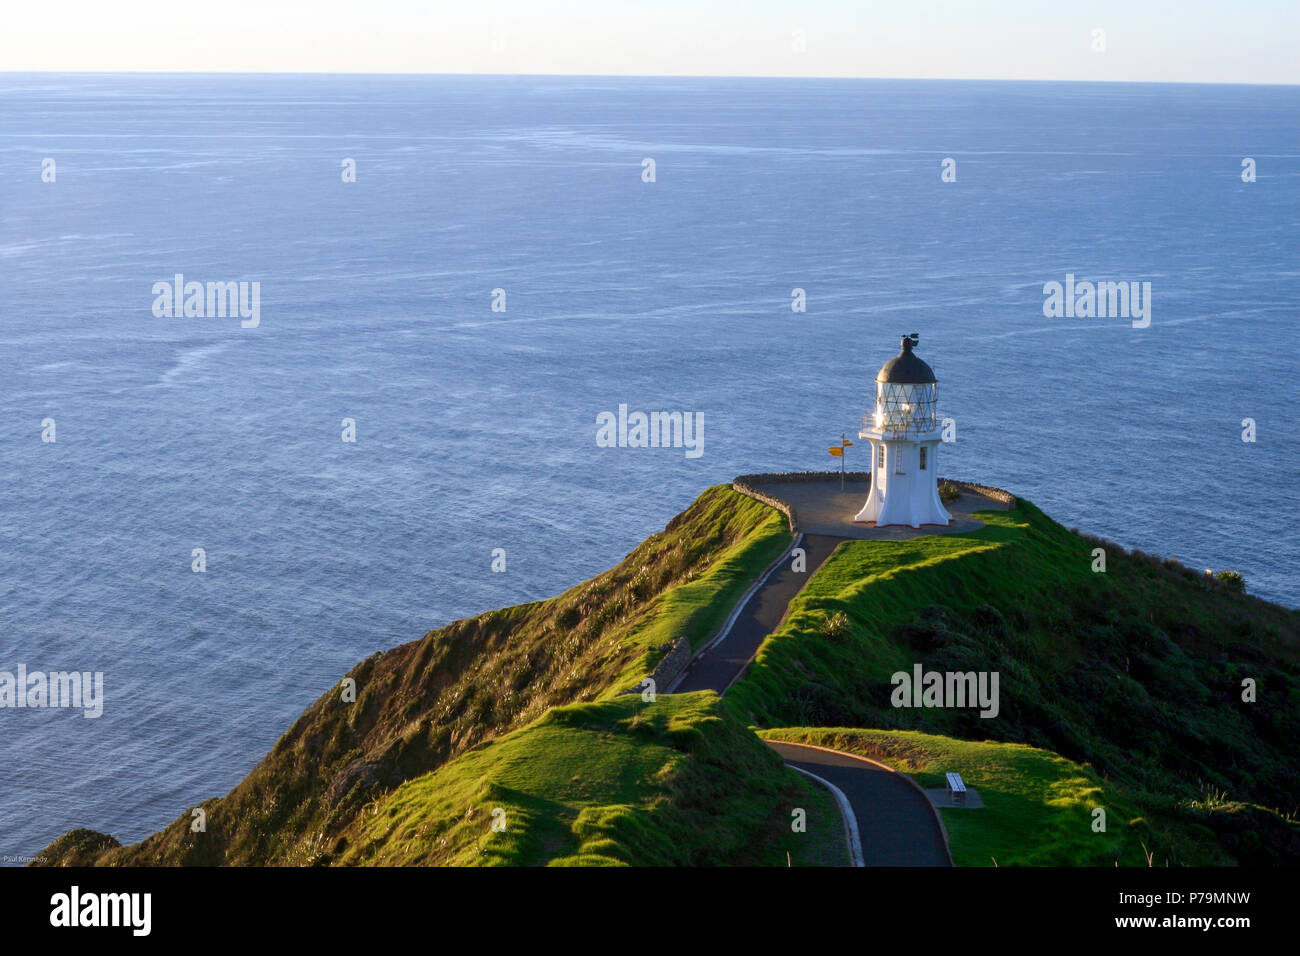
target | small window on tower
[
  {"x": 881, "y": 463},
  {"x": 923, "y": 450}
]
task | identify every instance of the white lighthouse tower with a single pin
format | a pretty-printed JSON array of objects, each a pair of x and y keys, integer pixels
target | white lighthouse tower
[{"x": 904, "y": 432}]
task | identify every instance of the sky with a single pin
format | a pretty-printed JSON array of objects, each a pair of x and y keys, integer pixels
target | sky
[{"x": 1205, "y": 41}]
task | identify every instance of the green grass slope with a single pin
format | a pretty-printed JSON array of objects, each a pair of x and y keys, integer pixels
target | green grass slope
[
  {"x": 1136, "y": 671},
  {"x": 425, "y": 703},
  {"x": 675, "y": 782}
]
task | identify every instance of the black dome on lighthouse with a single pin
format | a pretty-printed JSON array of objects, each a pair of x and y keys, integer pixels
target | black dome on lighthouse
[{"x": 905, "y": 368}]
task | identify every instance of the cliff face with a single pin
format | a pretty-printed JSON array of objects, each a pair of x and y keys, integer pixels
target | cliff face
[{"x": 422, "y": 704}]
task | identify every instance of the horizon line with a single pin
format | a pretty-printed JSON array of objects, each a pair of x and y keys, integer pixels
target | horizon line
[{"x": 642, "y": 76}]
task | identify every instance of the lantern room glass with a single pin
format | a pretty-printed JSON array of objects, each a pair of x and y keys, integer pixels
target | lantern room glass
[{"x": 906, "y": 408}]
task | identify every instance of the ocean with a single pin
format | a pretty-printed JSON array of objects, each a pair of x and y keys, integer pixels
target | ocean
[{"x": 474, "y": 411}]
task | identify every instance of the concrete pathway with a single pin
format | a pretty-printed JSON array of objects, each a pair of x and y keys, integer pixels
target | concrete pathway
[{"x": 943, "y": 799}]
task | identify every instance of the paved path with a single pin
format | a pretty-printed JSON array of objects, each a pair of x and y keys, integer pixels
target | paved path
[
  {"x": 896, "y": 822},
  {"x": 721, "y": 663}
]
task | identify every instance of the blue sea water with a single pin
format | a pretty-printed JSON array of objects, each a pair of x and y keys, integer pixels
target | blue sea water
[{"x": 476, "y": 429}]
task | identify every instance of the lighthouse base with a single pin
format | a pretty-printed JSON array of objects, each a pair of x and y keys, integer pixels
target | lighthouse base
[
  {"x": 903, "y": 510},
  {"x": 904, "y": 485}
]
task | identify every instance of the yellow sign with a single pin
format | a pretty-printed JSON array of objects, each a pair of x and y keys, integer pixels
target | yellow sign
[
  {"x": 836, "y": 450},
  {"x": 845, "y": 442}
]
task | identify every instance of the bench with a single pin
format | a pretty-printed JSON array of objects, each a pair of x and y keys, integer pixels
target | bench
[{"x": 956, "y": 788}]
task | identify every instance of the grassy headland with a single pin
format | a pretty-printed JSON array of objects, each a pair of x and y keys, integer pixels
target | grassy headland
[{"x": 1120, "y": 689}]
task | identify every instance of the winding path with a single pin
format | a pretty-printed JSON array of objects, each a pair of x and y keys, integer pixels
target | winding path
[{"x": 895, "y": 821}]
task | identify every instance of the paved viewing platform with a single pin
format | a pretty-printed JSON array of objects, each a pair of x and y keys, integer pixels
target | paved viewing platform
[{"x": 821, "y": 508}]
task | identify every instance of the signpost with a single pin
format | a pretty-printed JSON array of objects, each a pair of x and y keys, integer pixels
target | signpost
[{"x": 837, "y": 451}]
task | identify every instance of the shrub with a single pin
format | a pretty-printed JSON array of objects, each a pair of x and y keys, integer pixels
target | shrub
[
  {"x": 1233, "y": 580},
  {"x": 837, "y": 627},
  {"x": 948, "y": 491}
]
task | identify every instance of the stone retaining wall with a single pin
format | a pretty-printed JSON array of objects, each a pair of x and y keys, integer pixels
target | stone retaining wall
[
  {"x": 997, "y": 494},
  {"x": 669, "y": 666},
  {"x": 672, "y": 664},
  {"x": 802, "y": 476}
]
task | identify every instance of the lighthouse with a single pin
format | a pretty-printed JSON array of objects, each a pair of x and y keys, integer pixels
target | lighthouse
[{"x": 904, "y": 433}]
